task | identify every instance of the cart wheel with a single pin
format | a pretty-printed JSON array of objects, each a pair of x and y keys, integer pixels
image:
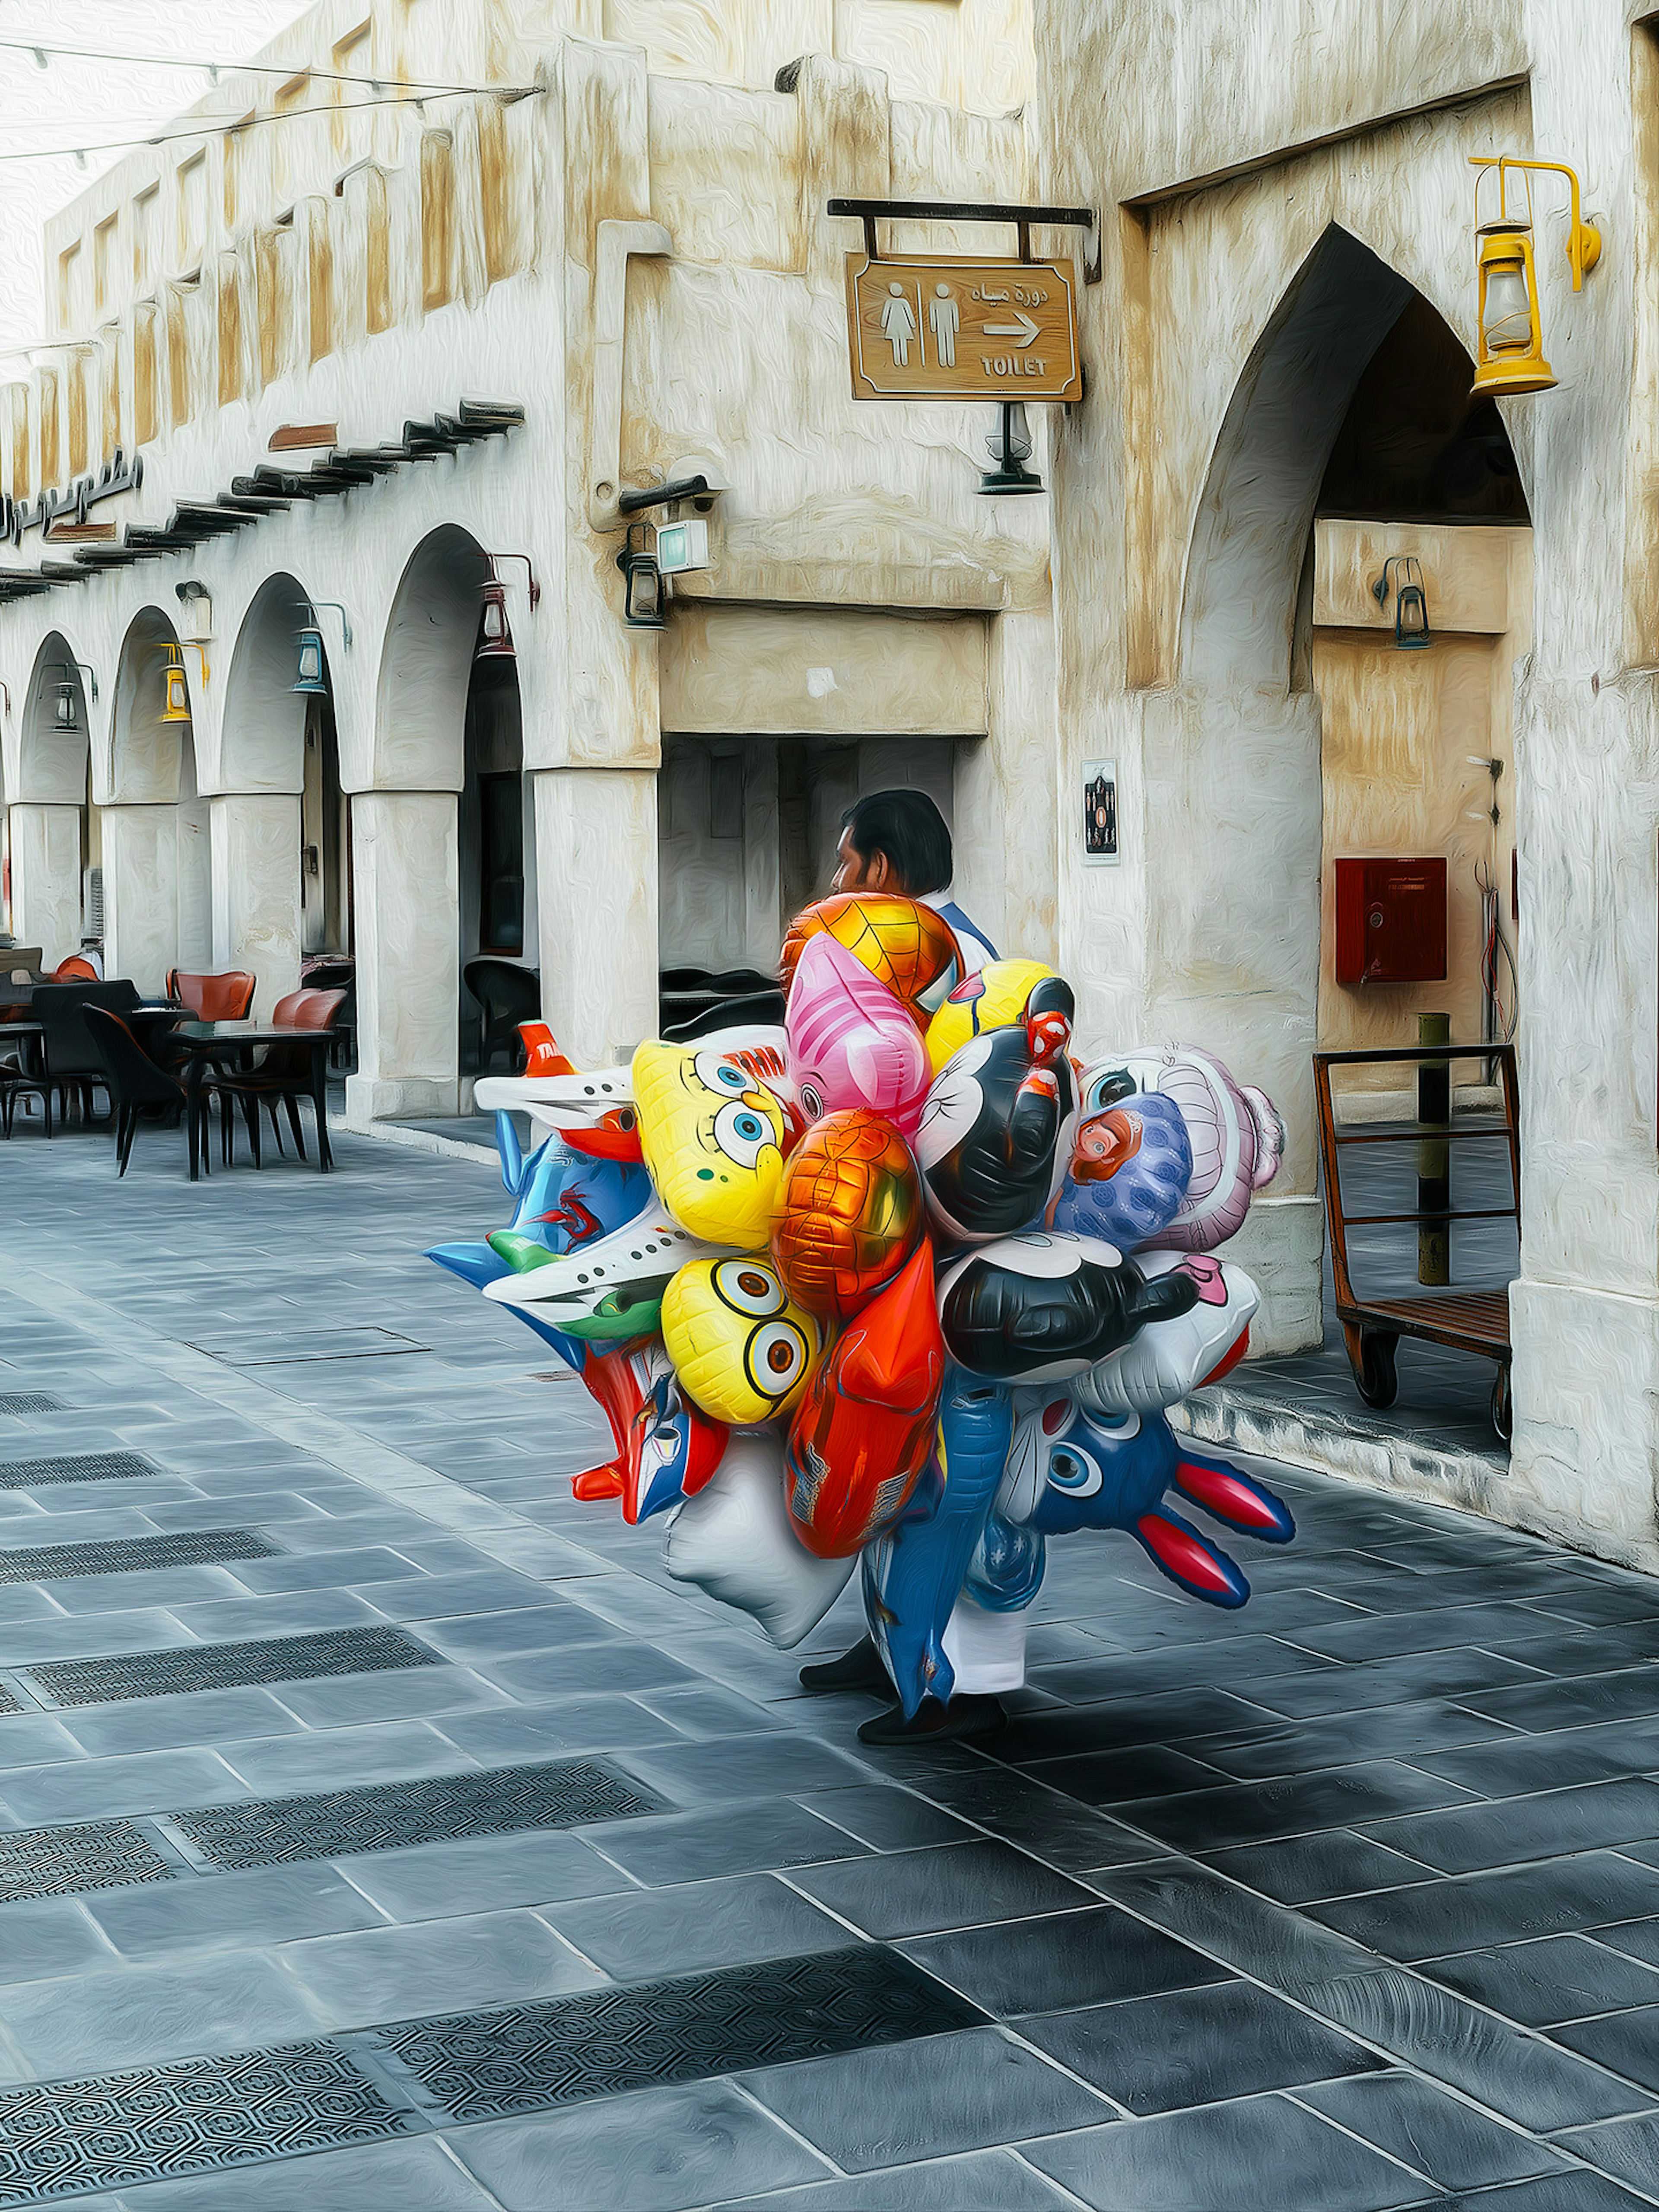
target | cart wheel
[
  {"x": 1503, "y": 1405},
  {"x": 1373, "y": 1374}
]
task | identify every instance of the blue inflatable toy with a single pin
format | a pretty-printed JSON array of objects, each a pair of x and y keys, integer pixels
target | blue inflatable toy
[{"x": 913, "y": 1573}]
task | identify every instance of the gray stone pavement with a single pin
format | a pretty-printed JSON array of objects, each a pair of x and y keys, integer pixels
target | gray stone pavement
[{"x": 401, "y": 1837}]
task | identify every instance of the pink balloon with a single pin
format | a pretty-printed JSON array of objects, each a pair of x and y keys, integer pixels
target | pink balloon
[{"x": 851, "y": 1040}]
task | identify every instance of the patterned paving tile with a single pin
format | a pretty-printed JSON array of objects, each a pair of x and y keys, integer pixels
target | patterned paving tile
[
  {"x": 390, "y": 1815},
  {"x": 76, "y": 1466},
  {"x": 229, "y": 1665},
  {"x": 65, "y": 2138},
  {"x": 121, "y": 1555},
  {"x": 88, "y": 1855},
  {"x": 478, "y": 2066}
]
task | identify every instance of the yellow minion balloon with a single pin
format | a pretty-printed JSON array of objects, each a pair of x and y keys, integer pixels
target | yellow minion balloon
[
  {"x": 992, "y": 998},
  {"x": 740, "y": 1346},
  {"x": 712, "y": 1138}
]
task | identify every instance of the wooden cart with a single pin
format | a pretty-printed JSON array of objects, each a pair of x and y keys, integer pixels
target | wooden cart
[{"x": 1476, "y": 1321}]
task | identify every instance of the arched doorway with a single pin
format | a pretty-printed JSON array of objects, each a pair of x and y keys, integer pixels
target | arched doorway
[
  {"x": 53, "y": 827},
  {"x": 448, "y": 721},
  {"x": 1298, "y": 735},
  {"x": 282, "y": 821},
  {"x": 158, "y": 876}
]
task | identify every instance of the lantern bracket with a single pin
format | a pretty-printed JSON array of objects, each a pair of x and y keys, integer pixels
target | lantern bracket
[
  {"x": 334, "y": 607},
  {"x": 535, "y": 587},
  {"x": 1583, "y": 239}
]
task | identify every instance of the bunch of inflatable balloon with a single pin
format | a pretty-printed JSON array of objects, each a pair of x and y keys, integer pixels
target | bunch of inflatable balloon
[{"x": 885, "y": 1284}]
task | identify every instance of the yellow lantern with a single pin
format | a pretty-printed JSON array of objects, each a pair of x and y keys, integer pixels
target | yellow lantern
[
  {"x": 1510, "y": 348},
  {"x": 1509, "y": 359},
  {"x": 177, "y": 708}
]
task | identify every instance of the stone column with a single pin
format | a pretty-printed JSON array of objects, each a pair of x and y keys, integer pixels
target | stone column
[
  {"x": 407, "y": 942},
  {"x": 141, "y": 893},
  {"x": 596, "y": 862},
  {"x": 45, "y": 879},
  {"x": 256, "y": 890}
]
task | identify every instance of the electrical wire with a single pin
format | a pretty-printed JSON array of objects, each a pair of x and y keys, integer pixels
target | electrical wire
[
  {"x": 215, "y": 69},
  {"x": 226, "y": 128}
]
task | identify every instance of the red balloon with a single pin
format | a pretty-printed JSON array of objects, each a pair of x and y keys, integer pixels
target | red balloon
[
  {"x": 851, "y": 1213},
  {"x": 864, "y": 1431}
]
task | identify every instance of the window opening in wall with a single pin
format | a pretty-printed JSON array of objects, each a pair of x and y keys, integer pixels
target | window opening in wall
[
  {"x": 68, "y": 286},
  {"x": 192, "y": 210},
  {"x": 105, "y": 240},
  {"x": 143, "y": 239}
]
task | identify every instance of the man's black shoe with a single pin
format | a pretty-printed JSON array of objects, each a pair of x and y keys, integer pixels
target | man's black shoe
[
  {"x": 964, "y": 1719},
  {"x": 860, "y": 1668}
]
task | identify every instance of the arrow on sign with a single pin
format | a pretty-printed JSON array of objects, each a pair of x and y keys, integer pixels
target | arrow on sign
[{"x": 1022, "y": 332}]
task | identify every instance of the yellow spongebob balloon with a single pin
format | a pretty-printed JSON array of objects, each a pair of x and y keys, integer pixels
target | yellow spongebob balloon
[
  {"x": 712, "y": 1138},
  {"x": 991, "y": 998},
  {"x": 740, "y": 1345}
]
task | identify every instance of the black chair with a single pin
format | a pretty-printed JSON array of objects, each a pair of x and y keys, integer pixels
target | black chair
[
  {"x": 335, "y": 971},
  {"x": 71, "y": 1066},
  {"x": 762, "y": 1008},
  {"x": 507, "y": 995},
  {"x": 135, "y": 1083}
]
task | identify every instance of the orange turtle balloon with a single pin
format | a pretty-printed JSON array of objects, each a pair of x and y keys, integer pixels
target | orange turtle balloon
[
  {"x": 850, "y": 1212},
  {"x": 905, "y": 945}
]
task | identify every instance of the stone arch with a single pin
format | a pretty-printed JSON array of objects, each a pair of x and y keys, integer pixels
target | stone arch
[
  {"x": 152, "y": 762},
  {"x": 1232, "y": 749},
  {"x": 53, "y": 760},
  {"x": 426, "y": 665},
  {"x": 262, "y": 746},
  {"x": 52, "y": 827}
]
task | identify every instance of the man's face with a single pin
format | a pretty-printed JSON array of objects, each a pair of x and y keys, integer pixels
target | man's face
[{"x": 855, "y": 873}]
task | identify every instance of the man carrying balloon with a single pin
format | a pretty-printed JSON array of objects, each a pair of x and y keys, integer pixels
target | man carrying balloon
[{"x": 897, "y": 1286}]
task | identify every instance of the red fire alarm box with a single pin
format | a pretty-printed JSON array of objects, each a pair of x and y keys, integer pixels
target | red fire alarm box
[{"x": 1391, "y": 921}]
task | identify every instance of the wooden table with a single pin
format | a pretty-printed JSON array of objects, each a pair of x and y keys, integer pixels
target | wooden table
[{"x": 201, "y": 1041}]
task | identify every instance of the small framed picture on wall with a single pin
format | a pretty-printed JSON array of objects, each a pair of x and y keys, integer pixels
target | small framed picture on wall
[{"x": 1100, "y": 845}]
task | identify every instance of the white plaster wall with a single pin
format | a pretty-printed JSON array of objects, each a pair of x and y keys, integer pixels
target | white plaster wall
[
  {"x": 141, "y": 909},
  {"x": 255, "y": 890},
  {"x": 45, "y": 879},
  {"x": 406, "y": 888}
]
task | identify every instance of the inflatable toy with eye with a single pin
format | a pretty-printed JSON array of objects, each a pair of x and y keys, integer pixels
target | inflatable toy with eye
[
  {"x": 1177, "y": 1352},
  {"x": 1237, "y": 1139},
  {"x": 992, "y": 998},
  {"x": 851, "y": 1041},
  {"x": 913, "y": 1573},
  {"x": 672, "y": 1449},
  {"x": 733, "y": 1540},
  {"x": 712, "y": 1138},
  {"x": 906, "y": 946},
  {"x": 994, "y": 1139},
  {"x": 864, "y": 1431},
  {"x": 850, "y": 1213},
  {"x": 1044, "y": 1309},
  {"x": 1092, "y": 1474},
  {"x": 741, "y": 1349},
  {"x": 599, "y": 1106},
  {"x": 1131, "y": 1165}
]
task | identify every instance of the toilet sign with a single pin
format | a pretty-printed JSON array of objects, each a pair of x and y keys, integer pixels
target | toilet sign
[{"x": 963, "y": 330}]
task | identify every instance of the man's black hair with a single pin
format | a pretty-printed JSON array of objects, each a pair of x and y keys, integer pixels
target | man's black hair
[{"x": 909, "y": 829}]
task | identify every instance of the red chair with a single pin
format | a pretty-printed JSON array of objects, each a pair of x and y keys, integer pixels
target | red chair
[
  {"x": 283, "y": 1072},
  {"x": 226, "y": 998},
  {"x": 74, "y": 970}
]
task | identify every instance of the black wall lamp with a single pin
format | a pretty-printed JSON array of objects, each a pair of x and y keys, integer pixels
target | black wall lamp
[
  {"x": 67, "y": 714},
  {"x": 1010, "y": 446},
  {"x": 643, "y": 604},
  {"x": 494, "y": 631},
  {"x": 1411, "y": 605}
]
